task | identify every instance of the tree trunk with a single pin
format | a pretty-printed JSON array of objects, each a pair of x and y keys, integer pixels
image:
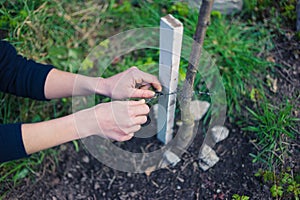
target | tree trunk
[{"x": 188, "y": 121}]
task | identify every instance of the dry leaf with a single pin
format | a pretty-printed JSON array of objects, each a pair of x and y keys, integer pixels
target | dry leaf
[
  {"x": 149, "y": 170},
  {"x": 271, "y": 59}
]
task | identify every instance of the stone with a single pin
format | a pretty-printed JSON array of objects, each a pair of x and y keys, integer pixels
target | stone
[
  {"x": 223, "y": 6},
  {"x": 171, "y": 158},
  {"x": 219, "y": 133},
  {"x": 207, "y": 158},
  {"x": 199, "y": 109},
  {"x": 85, "y": 159}
]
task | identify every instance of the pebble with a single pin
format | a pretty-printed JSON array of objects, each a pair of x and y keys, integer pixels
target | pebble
[
  {"x": 70, "y": 175},
  {"x": 199, "y": 109},
  {"x": 172, "y": 158},
  {"x": 85, "y": 159},
  {"x": 207, "y": 158},
  {"x": 219, "y": 133},
  {"x": 178, "y": 187},
  {"x": 96, "y": 186}
]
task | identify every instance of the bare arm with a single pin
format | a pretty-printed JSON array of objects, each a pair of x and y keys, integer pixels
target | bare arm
[
  {"x": 117, "y": 120},
  {"x": 38, "y": 81},
  {"x": 114, "y": 120},
  {"x": 61, "y": 84}
]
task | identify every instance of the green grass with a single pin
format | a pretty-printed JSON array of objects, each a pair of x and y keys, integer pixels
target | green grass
[
  {"x": 64, "y": 32},
  {"x": 235, "y": 45},
  {"x": 275, "y": 129}
]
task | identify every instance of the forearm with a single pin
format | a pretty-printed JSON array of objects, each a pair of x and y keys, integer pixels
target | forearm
[
  {"x": 44, "y": 135},
  {"x": 60, "y": 84},
  {"x": 100, "y": 120}
]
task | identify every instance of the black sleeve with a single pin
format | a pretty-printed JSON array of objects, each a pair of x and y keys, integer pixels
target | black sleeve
[
  {"x": 20, "y": 76},
  {"x": 24, "y": 78},
  {"x": 11, "y": 143}
]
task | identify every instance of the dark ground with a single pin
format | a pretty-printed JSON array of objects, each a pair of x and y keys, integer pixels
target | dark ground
[{"x": 80, "y": 176}]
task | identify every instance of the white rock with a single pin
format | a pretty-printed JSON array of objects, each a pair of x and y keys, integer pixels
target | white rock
[
  {"x": 208, "y": 157},
  {"x": 199, "y": 108},
  {"x": 203, "y": 166},
  {"x": 171, "y": 158},
  {"x": 219, "y": 133},
  {"x": 224, "y": 6},
  {"x": 86, "y": 159}
]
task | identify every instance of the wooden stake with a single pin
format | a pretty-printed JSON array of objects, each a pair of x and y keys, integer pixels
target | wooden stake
[{"x": 171, "y": 32}]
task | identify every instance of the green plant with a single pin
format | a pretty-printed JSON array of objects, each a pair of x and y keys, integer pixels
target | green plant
[
  {"x": 284, "y": 185},
  {"x": 238, "y": 197},
  {"x": 232, "y": 47},
  {"x": 14, "y": 171},
  {"x": 274, "y": 128},
  {"x": 272, "y": 13}
]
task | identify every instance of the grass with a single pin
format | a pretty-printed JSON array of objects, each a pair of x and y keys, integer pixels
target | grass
[
  {"x": 63, "y": 33},
  {"x": 275, "y": 128}
]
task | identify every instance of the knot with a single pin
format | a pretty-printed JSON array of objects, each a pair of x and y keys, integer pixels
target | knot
[{"x": 205, "y": 23}]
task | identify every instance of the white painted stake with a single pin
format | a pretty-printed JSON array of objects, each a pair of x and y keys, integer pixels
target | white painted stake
[{"x": 171, "y": 32}]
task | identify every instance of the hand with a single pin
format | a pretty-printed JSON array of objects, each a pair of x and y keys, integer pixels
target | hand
[
  {"x": 126, "y": 84},
  {"x": 117, "y": 120}
]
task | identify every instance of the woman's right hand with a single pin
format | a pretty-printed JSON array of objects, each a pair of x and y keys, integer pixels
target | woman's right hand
[{"x": 117, "y": 120}]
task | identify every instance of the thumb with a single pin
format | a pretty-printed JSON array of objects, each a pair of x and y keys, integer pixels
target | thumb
[{"x": 139, "y": 93}]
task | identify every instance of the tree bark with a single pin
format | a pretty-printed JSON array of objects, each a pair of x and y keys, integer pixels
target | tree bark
[{"x": 188, "y": 121}]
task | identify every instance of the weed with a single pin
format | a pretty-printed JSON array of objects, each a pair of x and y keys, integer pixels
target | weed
[
  {"x": 274, "y": 14},
  {"x": 285, "y": 185},
  {"x": 238, "y": 197}
]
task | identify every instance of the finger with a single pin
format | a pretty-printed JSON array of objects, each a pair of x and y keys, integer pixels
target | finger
[
  {"x": 140, "y": 110},
  {"x": 148, "y": 78},
  {"x": 137, "y": 110},
  {"x": 134, "y": 103},
  {"x": 125, "y": 137},
  {"x": 145, "y": 86},
  {"x": 134, "y": 129},
  {"x": 140, "y": 93},
  {"x": 140, "y": 120}
]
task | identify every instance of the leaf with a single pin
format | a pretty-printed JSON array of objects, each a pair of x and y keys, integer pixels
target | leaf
[
  {"x": 22, "y": 174},
  {"x": 276, "y": 191},
  {"x": 87, "y": 64},
  {"x": 149, "y": 170},
  {"x": 182, "y": 74}
]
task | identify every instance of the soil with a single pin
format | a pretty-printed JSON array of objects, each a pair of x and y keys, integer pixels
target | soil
[{"x": 78, "y": 175}]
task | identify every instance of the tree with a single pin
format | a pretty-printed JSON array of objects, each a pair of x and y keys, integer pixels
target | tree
[{"x": 186, "y": 96}]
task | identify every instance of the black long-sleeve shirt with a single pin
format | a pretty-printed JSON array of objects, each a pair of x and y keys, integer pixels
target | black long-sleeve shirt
[{"x": 20, "y": 77}]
